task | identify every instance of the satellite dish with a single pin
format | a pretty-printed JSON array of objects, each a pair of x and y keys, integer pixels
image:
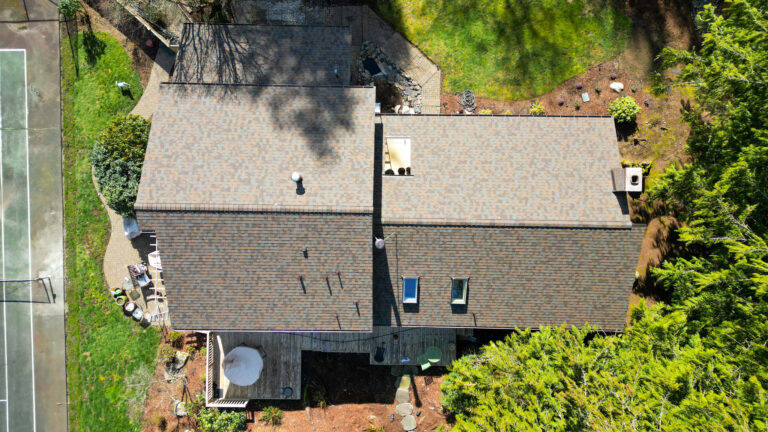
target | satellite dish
[{"x": 379, "y": 243}]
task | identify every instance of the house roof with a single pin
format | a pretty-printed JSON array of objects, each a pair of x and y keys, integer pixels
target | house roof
[
  {"x": 502, "y": 170},
  {"x": 225, "y": 147},
  {"x": 518, "y": 276},
  {"x": 248, "y": 270},
  {"x": 249, "y": 54}
]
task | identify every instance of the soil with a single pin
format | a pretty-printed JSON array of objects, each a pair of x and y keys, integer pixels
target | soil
[
  {"x": 340, "y": 392},
  {"x": 162, "y": 395},
  {"x": 101, "y": 15}
]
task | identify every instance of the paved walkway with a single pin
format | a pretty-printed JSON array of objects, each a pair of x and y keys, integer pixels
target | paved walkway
[
  {"x": 160, "y": 72},
  {"x": 365, "y": 24},
  {"x": 121, "y": 251}
]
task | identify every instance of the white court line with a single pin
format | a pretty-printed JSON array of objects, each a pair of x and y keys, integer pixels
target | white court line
[
  {"x": 2, "y": 235},
  {"x": 29, "y": 251},
  {"x": 29, "y": 246}
]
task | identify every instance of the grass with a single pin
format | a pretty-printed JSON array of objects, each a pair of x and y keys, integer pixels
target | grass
[
  {"x": 109, "y": 357},
  {"x": 510, "y": 49}
]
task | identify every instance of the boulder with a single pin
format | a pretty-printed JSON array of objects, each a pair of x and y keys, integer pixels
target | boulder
[{"x": 617, "y": 87}]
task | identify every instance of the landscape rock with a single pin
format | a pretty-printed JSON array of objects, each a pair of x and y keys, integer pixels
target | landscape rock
[
  {"x": 617, "y": 87},
  {"x": 408, "y": 89},
  {"x": 403, "y": 381},
  {"x": 402, "y": 395},
  {"x": 404, "y": 409},
  {"x": 408, "y": 422}
]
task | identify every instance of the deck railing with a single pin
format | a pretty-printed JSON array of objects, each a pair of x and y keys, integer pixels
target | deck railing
[{"x": 209, "y": 369}]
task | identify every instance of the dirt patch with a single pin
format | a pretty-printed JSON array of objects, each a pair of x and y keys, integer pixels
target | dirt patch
[
  {"x": 162, "y": 394},
  {"x": 106, "y": 16},
  {"x": 340, "y": 392},
  {"x": 356, "y": 395}
]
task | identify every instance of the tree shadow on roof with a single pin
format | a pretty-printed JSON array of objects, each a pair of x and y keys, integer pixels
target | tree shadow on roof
[{"x": 240, "y": 60}]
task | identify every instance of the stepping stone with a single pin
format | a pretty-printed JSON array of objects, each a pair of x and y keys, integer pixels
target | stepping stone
[
  {"x": 404, "y": 409},
  {"x": 408, "y": 422},
  {"x": 402, "y": 395},
  {"x": 403, "y": 381}
]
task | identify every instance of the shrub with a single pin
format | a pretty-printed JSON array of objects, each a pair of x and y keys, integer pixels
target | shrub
[
  {"x": 485, "y": 111},
  {"x": 69, "y": 8},
  {"x": 213, "y": 420},
  {"x": 598, "y": 89},
  {"x": 190, "y": 350},
  {"x": 126, "y": 137},
  {"x": 117, "y": 158},
  {"x": 373, "y": 427},
  {"x": 537, "y": 109},
  {"x": 166, "y": 353},
  {"x": 507, "y": 112},
  {"x": 195, "y": 405},
  {"x": 158, "y": 420},
  {"x": 272, "y": 415},
  {"x": 624, "y": 110},
  {"x": 174, "y": 337}
]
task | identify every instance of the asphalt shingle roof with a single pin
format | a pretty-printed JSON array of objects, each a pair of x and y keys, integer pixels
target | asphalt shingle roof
[
  {"x": 235, "y": 147},
  {"x": 501, "y": 170},
  {"x": 248, "y": 270},
  {"x": 518, "y": 276},
  {"x": 249, "y": 54}
]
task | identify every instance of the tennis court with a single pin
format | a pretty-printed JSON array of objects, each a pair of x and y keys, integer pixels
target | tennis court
[{"x": 17, "y": 381}]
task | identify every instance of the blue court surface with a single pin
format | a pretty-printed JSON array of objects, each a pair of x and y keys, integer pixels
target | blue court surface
[{"x": 17, "y": 380}]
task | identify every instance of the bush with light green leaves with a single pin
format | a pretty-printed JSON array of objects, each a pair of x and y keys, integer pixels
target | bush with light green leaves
[{"x": 624, "y": 110}]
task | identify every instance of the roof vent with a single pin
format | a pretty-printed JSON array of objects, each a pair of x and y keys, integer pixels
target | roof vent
[
  {"x": 629, "y": 179},
  {"x": 379, "y": 243},
  {"x": 296, "y": 176}
]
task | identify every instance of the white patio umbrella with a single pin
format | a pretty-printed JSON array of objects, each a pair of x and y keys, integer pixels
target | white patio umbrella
[{"x": 242, "y": 366}]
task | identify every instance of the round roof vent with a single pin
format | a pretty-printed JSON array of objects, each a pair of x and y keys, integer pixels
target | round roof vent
[{"x": 296, "y": 176}]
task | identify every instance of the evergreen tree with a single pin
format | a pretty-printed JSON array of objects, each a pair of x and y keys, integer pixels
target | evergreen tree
[{"x": 701, "y": 362}]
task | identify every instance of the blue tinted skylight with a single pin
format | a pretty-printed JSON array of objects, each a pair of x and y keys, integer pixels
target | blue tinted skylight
[{"x": 410, "y": 290}]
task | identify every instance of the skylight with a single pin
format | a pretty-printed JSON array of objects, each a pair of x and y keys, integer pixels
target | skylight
[
  {"x": 410, "y": 290},
  {"x": 397, "y": 156}
]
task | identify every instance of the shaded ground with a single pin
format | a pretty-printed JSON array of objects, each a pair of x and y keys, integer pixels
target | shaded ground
[
  {"x": 340, "y": 392},
  {"x": 104, "y": 16},
  {"x": 508, "y": 49}
]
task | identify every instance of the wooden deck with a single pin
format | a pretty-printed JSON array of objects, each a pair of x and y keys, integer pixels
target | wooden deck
[{"x": 282, "y": 355}]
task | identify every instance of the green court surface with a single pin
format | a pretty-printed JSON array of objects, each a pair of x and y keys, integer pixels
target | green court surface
[{"x": 17, "y": 409}]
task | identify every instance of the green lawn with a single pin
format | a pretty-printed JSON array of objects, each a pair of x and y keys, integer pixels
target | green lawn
[
  {"x": 510, "y": 49},
  {"x": 109, "y": 357}
]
